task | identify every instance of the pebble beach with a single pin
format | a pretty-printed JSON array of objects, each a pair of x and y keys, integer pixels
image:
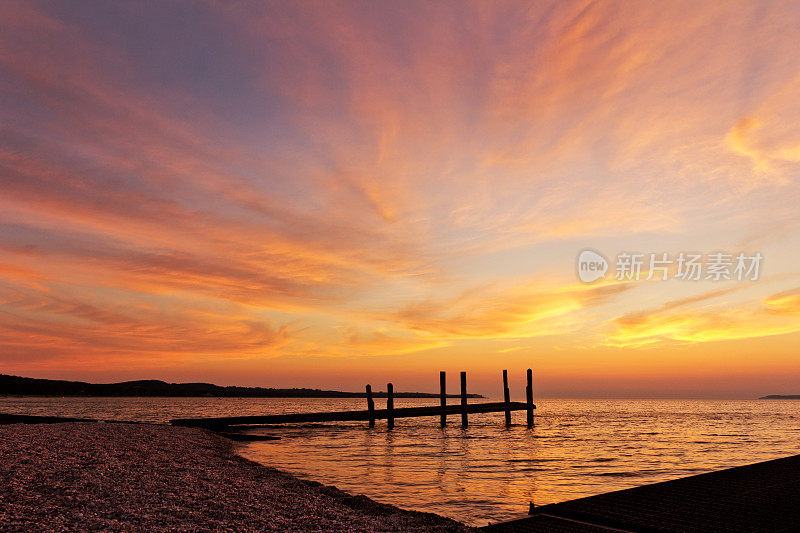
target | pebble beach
[{"x": 81, "y": 476}]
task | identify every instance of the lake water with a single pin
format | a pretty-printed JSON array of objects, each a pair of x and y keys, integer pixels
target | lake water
[{"x": 486, "y": 473}]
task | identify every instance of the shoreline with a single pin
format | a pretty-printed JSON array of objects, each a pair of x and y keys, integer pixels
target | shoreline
[{"x": 119, "y": 476}]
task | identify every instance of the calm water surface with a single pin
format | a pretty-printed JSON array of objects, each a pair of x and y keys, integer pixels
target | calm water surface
[{"x": 487, "y": 472}]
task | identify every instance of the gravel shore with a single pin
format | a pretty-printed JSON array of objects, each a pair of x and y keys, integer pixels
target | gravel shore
[{"x": 141, "y": 477}]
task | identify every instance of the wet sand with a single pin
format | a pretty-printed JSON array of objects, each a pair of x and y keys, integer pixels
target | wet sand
[{"x": 143, "y": 477}]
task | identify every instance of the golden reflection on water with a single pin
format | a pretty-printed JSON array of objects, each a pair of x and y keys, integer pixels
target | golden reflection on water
[{"x": 487, "y": 472}]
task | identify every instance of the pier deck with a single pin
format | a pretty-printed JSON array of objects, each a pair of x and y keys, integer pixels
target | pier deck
[
  {"x": 758, "y": 497},
  {"x": 349, "y": 416}
]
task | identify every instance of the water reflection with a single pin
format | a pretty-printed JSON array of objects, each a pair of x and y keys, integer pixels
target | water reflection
[
  {"x": 487, "y": 472},
  {"x": 443, "y": 443},
  {"x": 388, "y": 455}
]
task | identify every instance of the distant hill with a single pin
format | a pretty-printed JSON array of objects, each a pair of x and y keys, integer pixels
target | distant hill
[
  {"x": 781, "y": 397},
  {"x": 20, "y": 386}
]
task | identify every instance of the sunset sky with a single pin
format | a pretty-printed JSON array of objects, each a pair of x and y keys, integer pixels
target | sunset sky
[{"x": 330, "y": 194}]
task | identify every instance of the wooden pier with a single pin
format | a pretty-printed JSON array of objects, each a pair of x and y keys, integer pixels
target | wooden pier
[
  {"x": 370, "y": 414},
  {"x": 221, "y": 423}
]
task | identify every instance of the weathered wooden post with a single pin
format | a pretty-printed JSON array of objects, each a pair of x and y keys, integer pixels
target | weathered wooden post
[
  {"x": 370, "y": 406},
  {"x": 390, "y": 405},
  {"x": 443, "y": 398},
  {"x": 529, "y": 398},
  {"x": 464, "y": 422},
  {"x": 507, "y": 398}
]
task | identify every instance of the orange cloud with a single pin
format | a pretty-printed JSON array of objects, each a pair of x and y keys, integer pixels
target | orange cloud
[
  {"x": 518, "y": 311},
  {"x": 775, "y": 316},
  {"x": 42, "y": 328},
  {"x": 784, "y": 303}
]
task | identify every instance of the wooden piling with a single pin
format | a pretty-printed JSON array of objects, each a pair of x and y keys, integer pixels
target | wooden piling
[
  {"x": 507, "y": 398},
  {"x": 370, "y": 407},
  {"x": 464, "y": 422},
  {"x": 389, "y": 405},
  {"x": 443, "y": 398},
  {"x": 529, "y": 398}
]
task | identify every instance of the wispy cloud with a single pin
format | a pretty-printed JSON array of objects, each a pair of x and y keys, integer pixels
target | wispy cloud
[
  {"x": 353, "y": 179},
  {"x": 527, "y": 310},
  {"x": 674, "y": 322}
]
